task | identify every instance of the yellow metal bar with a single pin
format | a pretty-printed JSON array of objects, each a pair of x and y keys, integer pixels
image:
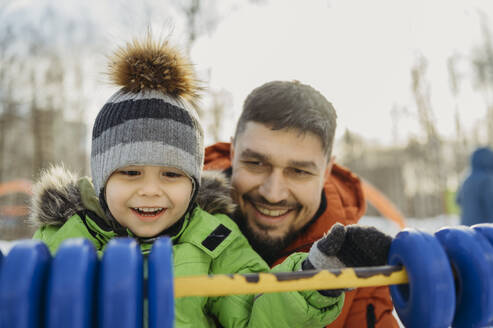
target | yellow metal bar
[{"x": 220, "y": 285}]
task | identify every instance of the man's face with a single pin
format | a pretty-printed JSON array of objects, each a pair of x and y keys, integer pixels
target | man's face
[{"x": 277, "y": 179}]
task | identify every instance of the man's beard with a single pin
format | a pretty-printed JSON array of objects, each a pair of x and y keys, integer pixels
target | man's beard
[{"x": 268, "y": 247}]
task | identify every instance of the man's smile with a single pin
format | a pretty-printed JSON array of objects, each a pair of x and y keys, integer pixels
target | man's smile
[
  {"x": 266, "y": 216},
  {"x": 270, "y": 212}
]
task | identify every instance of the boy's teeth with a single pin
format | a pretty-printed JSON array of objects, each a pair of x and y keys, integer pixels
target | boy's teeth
[{"x": 149, "y": 209}]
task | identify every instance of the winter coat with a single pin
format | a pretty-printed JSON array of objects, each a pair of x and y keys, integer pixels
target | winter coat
[
  {"x": 67, "y": 207},
  {"x": 344, "y": 202},
  {"x": 475, "y": 197}
]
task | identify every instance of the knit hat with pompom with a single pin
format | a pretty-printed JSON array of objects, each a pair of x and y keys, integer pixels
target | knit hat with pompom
[{"x": 152, "y": 119}]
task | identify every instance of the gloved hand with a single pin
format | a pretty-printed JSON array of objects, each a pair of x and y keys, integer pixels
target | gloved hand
[{"x": 348, "y": 246}]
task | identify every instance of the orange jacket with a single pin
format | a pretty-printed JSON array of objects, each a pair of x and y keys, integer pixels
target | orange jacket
[{"x": 363, "y": 307}]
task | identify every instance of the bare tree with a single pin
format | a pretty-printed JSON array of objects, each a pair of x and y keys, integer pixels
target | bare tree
[
  {"x": 33, "y": 87},
  {"x": 191, "y": 9},
  {"x": 44, "y": 109},
  {"x": 396, "y": 114},
  {"x": 433, "y": 159},
  {"x": 460, "y": 148},
  {"x": 221, "y": 103},
  {"x": 421, "y": 92},
  {"x": 483, "y": 72},
  {"x": 6, "y": 102},
  {"x": 202, "y": 17}
]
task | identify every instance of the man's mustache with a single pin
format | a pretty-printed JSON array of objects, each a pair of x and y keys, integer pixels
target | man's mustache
[{"x": 262, "y": 201}]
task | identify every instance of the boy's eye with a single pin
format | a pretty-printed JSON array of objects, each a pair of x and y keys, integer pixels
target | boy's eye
[
  {"x": 171, "y": 174},
  {"x": 130, "y": 172}
]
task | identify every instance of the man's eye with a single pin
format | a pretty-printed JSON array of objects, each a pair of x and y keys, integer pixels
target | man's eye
[
  {"x": 300, "y": 173},
  {"x": 130, "y": 172},
  {"x": 253, "y": 163}
]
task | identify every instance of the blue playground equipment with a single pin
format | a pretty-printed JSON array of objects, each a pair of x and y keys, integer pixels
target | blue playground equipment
[{"x": 448, "y": 279}]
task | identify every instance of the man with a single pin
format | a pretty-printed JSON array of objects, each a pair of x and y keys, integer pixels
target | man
[{"x": 288, "y": 189}]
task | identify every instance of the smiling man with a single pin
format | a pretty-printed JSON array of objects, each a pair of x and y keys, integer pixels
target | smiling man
[
  {"x": 288, "y": 190},
  {"x": 274, "y": 188}
]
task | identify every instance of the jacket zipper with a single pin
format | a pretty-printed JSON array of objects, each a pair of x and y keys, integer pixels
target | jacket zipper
[{"x": 370, "y": 316}]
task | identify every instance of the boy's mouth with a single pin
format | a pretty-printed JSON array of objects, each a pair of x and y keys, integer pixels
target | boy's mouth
[{"x": 148, "y": 211}]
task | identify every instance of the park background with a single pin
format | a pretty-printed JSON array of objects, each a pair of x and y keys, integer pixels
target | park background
[{"x": 412, "y": 83}]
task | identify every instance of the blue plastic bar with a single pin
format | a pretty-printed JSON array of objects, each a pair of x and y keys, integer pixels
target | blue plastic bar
[
  {"x": 120, "y": 301},
  {"x": 160, "y": 287},
  {"x": 71, "y": 290},
  {"x": 22, "y": 284}
]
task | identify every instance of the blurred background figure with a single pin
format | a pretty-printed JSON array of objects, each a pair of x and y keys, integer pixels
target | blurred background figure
[{"x": 475, "y": 196}]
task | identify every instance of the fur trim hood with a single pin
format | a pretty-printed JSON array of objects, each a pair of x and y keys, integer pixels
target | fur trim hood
[{"x": 59, "y": 194}]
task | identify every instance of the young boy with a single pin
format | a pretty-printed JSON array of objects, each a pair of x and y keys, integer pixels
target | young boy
[{"x": 146, "y": 162}]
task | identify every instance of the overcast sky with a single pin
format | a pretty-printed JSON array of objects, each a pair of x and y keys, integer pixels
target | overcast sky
[{"x": 357, "y": 53}]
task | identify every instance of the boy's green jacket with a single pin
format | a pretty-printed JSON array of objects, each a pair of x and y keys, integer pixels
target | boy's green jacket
[{"x": 67, "y": 207}]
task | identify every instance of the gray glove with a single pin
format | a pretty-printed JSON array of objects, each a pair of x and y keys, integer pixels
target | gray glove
[{"x": 348, "y": 246}]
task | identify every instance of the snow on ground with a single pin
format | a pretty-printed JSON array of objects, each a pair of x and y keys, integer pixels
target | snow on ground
[
  {"x": 427, "y": 224},
  {"x": 5, "y": 246}
]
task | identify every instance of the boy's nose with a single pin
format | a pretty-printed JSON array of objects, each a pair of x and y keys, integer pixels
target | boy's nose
[
  {"x": 150, "y": 188},
  {"x": 273, "y": 188}
]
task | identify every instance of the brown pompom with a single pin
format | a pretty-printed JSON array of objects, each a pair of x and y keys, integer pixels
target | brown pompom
[{"x": 154, "y": 65}]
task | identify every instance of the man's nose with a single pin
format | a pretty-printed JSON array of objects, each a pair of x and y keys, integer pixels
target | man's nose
[{"x": 274, "y": 188}]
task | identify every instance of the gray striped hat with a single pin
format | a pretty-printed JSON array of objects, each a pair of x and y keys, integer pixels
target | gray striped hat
[{"x": 147, "y": 124}]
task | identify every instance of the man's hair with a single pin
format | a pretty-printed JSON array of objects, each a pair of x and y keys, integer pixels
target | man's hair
[{"x": 290, "y": 105}]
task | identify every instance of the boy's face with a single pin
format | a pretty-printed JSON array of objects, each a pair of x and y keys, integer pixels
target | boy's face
[{"x": 148, "y": 199}]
